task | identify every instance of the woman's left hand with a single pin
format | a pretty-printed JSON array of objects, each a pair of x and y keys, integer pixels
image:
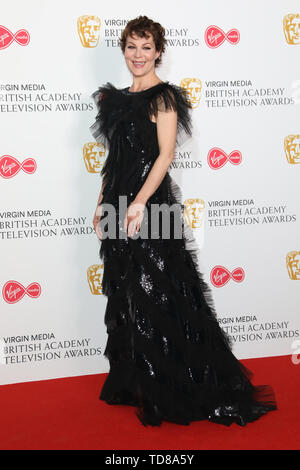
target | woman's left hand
[{"x": 133, "y": 218}]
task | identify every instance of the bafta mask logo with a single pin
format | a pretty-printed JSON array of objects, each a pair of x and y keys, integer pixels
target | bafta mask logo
[
  {"x": 292, "y": 148},
  {"x": 193, "y": 212},
  {"x": 217, "y": 158},
  {"x": 293, "y": 264},
  {"x": 94, "y": 156},
  {"x": 220, "y": 275},
  {"x": 291, "y": 28},
  {"x": 94, "y": 276},
  {"x": 194, "y": 87},
  {"x": 13, "y": 291},
  {"x": 10, "y": 166},
  {"x": 88, "y": 28},
  {"x": 22, "y": 37}
]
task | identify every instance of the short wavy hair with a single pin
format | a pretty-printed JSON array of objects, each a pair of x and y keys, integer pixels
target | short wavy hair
[{"x": 142, "y": 26}]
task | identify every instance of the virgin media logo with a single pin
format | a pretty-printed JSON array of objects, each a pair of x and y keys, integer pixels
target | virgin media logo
[
  {"x": 10, "y": 166},
  {"x": 13, "y": 291},
  {"x": 217, "y": 158},
  {"x": 22, "y": 37},
  {"x": 215, "y": 36},
  {"x": 219, "y": 275}
]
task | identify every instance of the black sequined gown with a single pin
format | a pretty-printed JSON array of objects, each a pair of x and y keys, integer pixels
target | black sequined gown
[{"x": 168, "y": 355}]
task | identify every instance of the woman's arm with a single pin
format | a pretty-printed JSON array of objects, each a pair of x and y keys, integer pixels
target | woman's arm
[
  {"x": 101, "y": 194},
  {"x": 97, "y": 214}
]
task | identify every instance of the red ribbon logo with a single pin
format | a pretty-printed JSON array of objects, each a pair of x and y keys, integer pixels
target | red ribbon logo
[
  {"x": 22, "y": 37},
  {"x": 217, "y": 158},
  {"x": 10, "y": 166},
  {"x": 13, "y": 291},
  {"x": 219, "y": 275},
  {"x": 215, "y": 36}
]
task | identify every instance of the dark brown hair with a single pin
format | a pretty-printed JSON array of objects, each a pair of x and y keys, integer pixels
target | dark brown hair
[{"x": 142, "y": 26}]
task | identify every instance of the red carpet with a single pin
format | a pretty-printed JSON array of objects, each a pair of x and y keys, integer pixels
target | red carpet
[{"x": 67, "y": 414}]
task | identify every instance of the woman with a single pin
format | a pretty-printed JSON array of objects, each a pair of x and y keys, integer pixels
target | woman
[{"x": 168, "y": 355}]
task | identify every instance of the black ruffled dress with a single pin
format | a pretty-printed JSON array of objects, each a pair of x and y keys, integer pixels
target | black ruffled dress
[{"x": 168, "y": 355}]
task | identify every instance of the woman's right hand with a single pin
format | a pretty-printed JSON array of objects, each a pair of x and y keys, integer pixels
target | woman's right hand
[{"x": 96, "y": 221}]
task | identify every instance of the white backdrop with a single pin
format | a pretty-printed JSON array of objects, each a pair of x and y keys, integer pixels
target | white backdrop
[{"x": 246, "y": 92}]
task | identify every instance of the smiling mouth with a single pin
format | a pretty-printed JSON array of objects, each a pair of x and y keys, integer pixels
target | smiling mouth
[{"x": 138, "y": 64}]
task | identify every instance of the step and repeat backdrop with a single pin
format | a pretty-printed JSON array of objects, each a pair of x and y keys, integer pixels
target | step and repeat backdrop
[{"x": 239, "y": 173}]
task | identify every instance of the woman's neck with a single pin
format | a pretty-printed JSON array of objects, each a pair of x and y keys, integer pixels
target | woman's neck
[{"x": 142, "y": 83}]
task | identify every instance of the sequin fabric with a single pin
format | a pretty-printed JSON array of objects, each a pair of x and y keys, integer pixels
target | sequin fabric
[{"x": 168, "y": 355}]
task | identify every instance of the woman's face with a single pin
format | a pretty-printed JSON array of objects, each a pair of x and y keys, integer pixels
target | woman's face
[{"x": 140, "y": 55}]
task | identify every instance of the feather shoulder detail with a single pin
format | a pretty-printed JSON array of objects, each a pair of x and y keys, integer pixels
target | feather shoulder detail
[
  {"x": 113, "y": 103},
  {"x": 108, "y": 100},
  {"x": 167, "y": 96}
]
